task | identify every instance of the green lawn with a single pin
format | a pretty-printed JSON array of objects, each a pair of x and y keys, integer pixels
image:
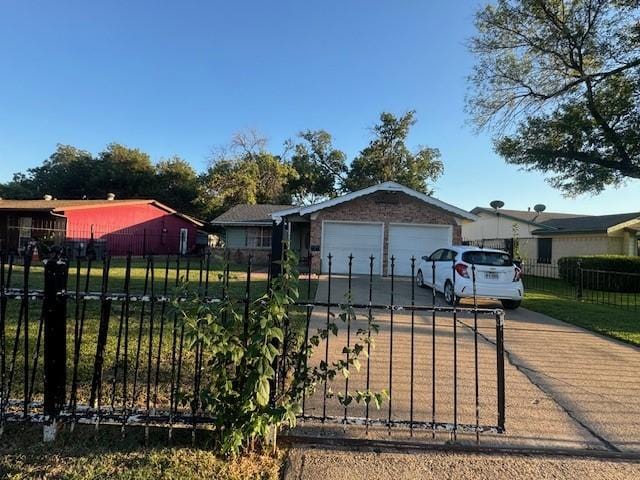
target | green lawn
[
  {"x": 561, "y": 288},
  {"x": 237, "y": 284},
  {"x": 607, "y": 320},
  {"x": 192, "y": 269},
  {"x": 85, "y": 454}
]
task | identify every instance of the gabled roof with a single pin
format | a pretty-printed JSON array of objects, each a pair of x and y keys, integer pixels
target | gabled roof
[
  {"x": 532, "y": 218},
  {"x": 381, "y": 187},
  {"x": 588, "y": 224},
  {"x": 60, "y": 206},
  {"x": 248, "y": 215}
]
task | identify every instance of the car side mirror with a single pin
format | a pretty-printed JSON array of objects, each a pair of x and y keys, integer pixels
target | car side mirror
[{"x": 426, "y": 258}]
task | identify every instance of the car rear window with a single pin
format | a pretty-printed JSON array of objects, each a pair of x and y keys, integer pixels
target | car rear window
[{"x": 494, "y": 259}]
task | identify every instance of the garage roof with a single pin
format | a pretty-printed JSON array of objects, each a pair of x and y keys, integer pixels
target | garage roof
[{"x": 384, "y": 187}]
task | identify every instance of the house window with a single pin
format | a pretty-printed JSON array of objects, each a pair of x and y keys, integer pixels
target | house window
[
  {"x": 544, "y": 250},
  {"x": 259, "y": 237},
  {"x": 24, "y": 232}
]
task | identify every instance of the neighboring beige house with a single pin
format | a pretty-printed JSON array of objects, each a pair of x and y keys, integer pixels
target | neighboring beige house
[
  {"x": 617, "y": 234},
  {"x": 547, "y": 236},
  {"x": 382, "y": 221}
]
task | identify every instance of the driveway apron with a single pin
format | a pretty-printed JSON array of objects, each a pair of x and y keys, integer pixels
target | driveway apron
[{"x": 565, "y": 387}]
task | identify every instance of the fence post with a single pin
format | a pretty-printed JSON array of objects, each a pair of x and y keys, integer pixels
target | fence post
[
  {"x": 103, "y": 330},
  {"x": 580, "y": 281},
  {"x": 55, "y": 341},
  {"x": 500, "y": 368}
]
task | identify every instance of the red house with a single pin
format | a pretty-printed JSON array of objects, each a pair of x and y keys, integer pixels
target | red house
[{"x": 110, "y": 226}]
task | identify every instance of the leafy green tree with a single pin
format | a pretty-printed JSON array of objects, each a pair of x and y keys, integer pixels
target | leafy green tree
[
  {"x": 176, "y": 184},
  {"x": 558, "y": 81},
  {"x": 245, "y": 173},
  {"x": 18, "y": 188},
  {"x": 68, "y": 173},
  {"x": 321, "y": 168},
  {"x": 387, "y": 158},
  {"x": 127, "y": 172}
]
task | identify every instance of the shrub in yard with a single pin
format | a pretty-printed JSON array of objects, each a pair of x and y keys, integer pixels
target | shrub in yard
[
  {"x": 253, "y": 360},
  {"x": 617, "y": 273}
]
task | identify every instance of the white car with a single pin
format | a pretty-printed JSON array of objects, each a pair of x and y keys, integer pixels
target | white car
[{"x": 496, "y": 275}]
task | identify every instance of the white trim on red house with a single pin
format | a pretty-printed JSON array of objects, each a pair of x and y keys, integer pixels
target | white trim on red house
[{"x": 384, "y": 187}]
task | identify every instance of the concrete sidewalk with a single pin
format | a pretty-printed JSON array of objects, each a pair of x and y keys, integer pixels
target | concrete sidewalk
[{"x": 323, "y": 464}]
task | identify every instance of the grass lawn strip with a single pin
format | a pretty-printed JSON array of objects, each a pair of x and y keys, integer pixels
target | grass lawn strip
[
  {"x": 87, "y": 454},
  {"x": 237, "y": 284},
  {"x": 607, "y": 320}
]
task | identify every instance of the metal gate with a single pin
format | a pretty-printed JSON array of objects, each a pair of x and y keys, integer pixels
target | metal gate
[
  {"x": 97, "y": 344},
  {"x": 441, "y": 366}
]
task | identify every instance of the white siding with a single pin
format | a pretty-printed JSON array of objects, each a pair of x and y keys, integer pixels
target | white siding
[{"x": 489, "y": 226}]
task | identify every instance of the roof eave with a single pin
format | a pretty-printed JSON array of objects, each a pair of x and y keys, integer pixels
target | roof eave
[
  {"x": 195, "y": 221},
  {"x": 567, "y": 232},
  {"x": 120, "y": 203},
  {"x": 386, "y": 186},
  {"x": 634, "y": 222},
  {"x": 506, "y": 215},
  {"x": 258, "y": 223},
  {"x": 30, "y": 209}
]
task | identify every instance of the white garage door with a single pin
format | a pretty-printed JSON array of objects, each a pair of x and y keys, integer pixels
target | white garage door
[
  {"x": 406, "y": 241},
  {"x": 340, "y": 239}
]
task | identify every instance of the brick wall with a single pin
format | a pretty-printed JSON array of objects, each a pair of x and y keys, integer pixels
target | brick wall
[{"x": 387, "y": 207}]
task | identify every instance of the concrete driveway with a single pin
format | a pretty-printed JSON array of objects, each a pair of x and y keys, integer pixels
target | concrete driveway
[{"x": 565, "y": 387}]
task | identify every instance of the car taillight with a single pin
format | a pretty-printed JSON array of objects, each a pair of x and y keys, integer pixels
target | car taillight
[
  {"x": 462, "y": 270},
  {"x": 517, "y": 274}
]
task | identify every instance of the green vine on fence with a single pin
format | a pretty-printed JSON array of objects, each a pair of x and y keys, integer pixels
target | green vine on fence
[{"x": 255, "y": 359}]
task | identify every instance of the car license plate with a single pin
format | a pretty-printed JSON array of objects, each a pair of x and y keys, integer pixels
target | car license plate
[{"x": 491, "y": 275}]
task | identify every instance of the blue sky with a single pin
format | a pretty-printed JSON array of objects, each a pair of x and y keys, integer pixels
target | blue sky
[{"x": 181, "y": 77}]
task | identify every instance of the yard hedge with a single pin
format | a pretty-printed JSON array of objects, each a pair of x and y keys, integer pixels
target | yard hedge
[{"x": 603, "y": 272}]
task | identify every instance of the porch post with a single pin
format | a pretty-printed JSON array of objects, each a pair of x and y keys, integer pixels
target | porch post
[{"x": 277, "y": 236}]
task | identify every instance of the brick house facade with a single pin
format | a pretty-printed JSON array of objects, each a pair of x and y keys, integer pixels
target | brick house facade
[
  {"x": 384, "y": 207},
  {"x": 361, "y": 230}
]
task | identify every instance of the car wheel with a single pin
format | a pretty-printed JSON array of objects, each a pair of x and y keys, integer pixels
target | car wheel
[
  {"x": 449, "y": 294},
  {"x": 511, "y": 304},
  {"x": 420, "y": 279}
]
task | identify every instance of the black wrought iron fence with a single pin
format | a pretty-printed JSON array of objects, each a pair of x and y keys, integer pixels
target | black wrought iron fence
[
  {"x": 95, "y": 341},
  {"x": 438, "y": 363},
  {"x": 615, "y": 289},
  {"x": 506, "y": 244}
]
